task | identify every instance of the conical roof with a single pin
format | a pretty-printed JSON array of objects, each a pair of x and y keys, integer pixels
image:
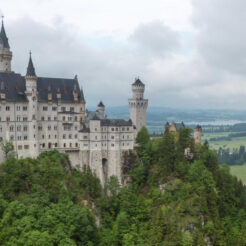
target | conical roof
[
  {"x": 3, "y": 37},
  {"x": 138, "y": 82},
  {"x": 30, "y": 69},
  {"x": 100, "y": 104}
]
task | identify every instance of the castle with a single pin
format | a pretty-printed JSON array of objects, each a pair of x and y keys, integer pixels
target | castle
[{"x": 39, "y": 114}]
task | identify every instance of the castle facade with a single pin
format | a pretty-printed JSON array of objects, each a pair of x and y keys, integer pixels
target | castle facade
[{"x": 39, "y": 114}]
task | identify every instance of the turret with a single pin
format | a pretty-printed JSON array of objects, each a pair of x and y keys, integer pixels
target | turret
[
  {"x": 198, "y": 134},
  {"x": 5, "y": 53},
  {"x": 100, "y": 110},
  {"x": 138, "y": 105},
  {"x": 31, "y": 78}
]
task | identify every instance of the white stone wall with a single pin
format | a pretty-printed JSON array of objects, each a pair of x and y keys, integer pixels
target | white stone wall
[{"x": 5, "y": 59}]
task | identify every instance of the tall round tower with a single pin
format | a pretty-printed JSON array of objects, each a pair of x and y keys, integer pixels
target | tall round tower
[
  {"x": 138, "y": 105},
  {"x": 5, "y": 53},
  {"x": 100, "y": 110},
  {"x": 198, "y": 134}
]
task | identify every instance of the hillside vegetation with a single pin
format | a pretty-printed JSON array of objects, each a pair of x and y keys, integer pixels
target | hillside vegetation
[{"x": 167, "y": 200}]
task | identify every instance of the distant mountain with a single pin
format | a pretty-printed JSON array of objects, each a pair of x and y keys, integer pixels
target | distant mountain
[{"x": 158, "y": 116}]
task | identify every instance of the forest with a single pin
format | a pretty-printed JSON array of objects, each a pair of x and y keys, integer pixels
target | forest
[{"x": 167, "y": 199}]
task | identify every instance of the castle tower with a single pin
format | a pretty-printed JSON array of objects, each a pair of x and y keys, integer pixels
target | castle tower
[
  {"x": 5, "y": 53},
  {"x": 32, "y": 97},
  {"x": 138, "y": 105},
  {"x": 100, "y": 110},
  {"x": 198, "y": 134}
]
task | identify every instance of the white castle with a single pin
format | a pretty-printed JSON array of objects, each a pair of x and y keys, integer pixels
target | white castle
[{"x": 39, "y": 114}]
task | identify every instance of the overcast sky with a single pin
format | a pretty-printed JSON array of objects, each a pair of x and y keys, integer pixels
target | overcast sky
[{"x": 189, "y": 53}]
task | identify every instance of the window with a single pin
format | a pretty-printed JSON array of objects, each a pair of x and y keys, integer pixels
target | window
[
  {"x": 63, "y": 109},
  {"x": 112, "y": 145},
  {"x": 64, "y": 145},
  {"x": 24, "y": 118},
  {"x": 112, "y": 129},
  {"x": 76, "y": 145},
  {"x": 43, "y": 145},
  {"x": 25, "y": 137},
  {"x": 49, "y": 118},
  {"x": 18, "y": 118},
  {"x": 123, "y": 128},
  {"x": 1, "y": 129},
  {"x": 49, "y": 136},
  {"x": 70, "y": 145},
  {"x": 55, "y": 118},
  {"x": 116, "y": 129},
  {"x": 70, "y": 118},
  {"x": 70, "y": 136},
  {"x": 24, "y": 108},
  {"x": 56, "y": 145},
  {"x": 54, "y": 108},
  {"x": 26, "y": 146},
  {"x": 19, "y": 147},
  {"x": 40, "y": 128},
  {"x": 55, "y": 128},
  {"x": 34, "y": 117},
  {"x": 42, "y": 136},
  {"x": 96, "y": 137},
  {"x": 7, "y": 118},
  {"x": 25, "y": 128},
  {"x": 7, "y": 108},
  {"x": 19, "y": 138},
  {"x": 72, "y": 109},
  {"x": 0, "y": 119},
  {"x": 127, "y": 129},
  {"x": 63, "y": 118},
  {"x": 12, "y": 138},
  {"x": 45, "y": 108},
  {"x": 64, "y": 136},
  {"x": 85, "y": 137},
  {"x": 75, "y": 118},
  {"x": 75, "y": 136},
  {"x": 18, "y": 109},
  {"x": 49, "y": 128},
  {"x": 112, "y": 137},
  {"x": 11, "y": 128}
]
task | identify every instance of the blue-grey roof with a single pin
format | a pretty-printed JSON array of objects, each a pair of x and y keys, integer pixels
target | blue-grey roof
[
  {"x": 15, "y": 87},
  {"x": 91, "y": 115},
  {"x": 3, "y": 38},
  {"x": 100, "y": 104},
  {"x": 115, "y": 122},
  {"x": 138, "y": 82},
  {"x": 30, "y": 69}
]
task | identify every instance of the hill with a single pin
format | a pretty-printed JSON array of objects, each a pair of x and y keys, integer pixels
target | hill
[{"x": 167, "y": 199}]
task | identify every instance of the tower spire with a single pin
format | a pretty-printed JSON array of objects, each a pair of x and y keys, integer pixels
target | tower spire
[
  {"x": 30, "y": 69},
  {"x": 3, "y": 36}
]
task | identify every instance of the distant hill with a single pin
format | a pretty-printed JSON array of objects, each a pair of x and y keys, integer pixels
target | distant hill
[{"x": 158, "y": 116}]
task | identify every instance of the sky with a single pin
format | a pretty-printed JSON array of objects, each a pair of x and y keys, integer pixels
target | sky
[{"x": 189, "y": 53}]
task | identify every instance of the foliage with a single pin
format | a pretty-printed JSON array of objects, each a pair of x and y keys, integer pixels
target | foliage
[
  {"x": 7, "y": 148},
  {"x": 168, "y": 200}
]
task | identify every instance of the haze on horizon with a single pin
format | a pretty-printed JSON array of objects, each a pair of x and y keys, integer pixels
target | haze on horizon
[{"x": 189, "y": 53}]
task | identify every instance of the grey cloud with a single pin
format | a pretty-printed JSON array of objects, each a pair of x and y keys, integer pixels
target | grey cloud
[
  {"x": 156, "y": 38},
  {"x": 221, "y": 28}
]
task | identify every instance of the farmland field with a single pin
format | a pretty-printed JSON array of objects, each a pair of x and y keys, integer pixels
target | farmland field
[
  {"x": 234, "y": 143},
  {"x": 240, "y": 172}
]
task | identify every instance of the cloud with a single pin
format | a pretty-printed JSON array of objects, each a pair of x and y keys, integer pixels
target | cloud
[
  {"x": 156, "y": 38},
  {"x": 206, "y": 70}
]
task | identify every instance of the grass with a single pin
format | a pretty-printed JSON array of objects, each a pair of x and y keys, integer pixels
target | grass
[
  {"x": 240, "y": 172},
  {"x": 235, "y": 143}
]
